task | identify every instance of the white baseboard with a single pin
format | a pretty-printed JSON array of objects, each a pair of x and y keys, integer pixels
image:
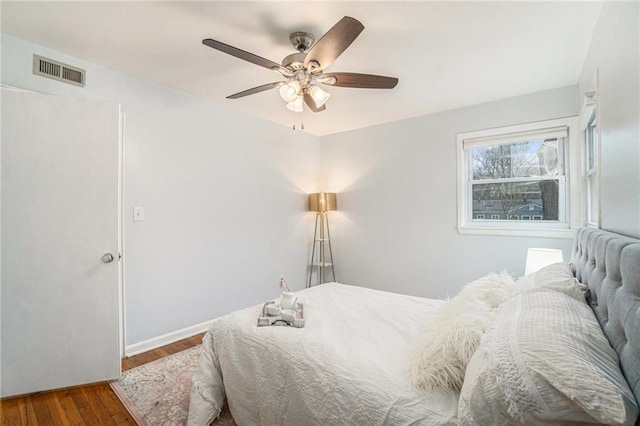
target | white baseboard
[{"x": 165, "y": 339}]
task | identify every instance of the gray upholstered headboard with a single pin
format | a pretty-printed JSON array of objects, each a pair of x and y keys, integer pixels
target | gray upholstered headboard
[{"x": 610, "y": 265}]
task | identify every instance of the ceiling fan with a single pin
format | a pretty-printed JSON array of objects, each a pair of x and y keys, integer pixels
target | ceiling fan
[{"x": 304, "y": 71}]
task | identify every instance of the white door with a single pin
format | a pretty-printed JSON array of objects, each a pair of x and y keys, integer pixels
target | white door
[{"x": 60, "y": 296}]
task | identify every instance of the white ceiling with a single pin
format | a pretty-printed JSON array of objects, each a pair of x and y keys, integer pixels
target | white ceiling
[{"x": 445, "y": 54}]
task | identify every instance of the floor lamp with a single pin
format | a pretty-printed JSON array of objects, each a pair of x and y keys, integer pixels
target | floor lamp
[{"x": 321, "y": 203}]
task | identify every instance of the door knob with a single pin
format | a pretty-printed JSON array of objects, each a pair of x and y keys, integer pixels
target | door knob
[{"x": 107, "y": 258}]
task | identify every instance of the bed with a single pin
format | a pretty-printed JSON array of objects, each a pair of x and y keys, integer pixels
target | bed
[{"x": 349, "y": 364}]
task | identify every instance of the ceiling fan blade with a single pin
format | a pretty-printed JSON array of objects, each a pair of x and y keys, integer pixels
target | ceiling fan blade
[
  {"x": 361, "y": 81},
  {"x": 334, "y": 42},
  {"x": 312, "y": 104},
  {"x": 241, "y": 54},
  {"x": 255, "y": 90}
]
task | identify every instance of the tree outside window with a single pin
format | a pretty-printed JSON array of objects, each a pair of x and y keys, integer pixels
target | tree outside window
[{"x": 508, "y": 179}]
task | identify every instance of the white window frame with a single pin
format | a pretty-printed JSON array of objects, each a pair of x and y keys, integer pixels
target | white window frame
[
  {"x": 589, "y": 119},
  {"x": 592, "y": 174},
  {"x": 570, "y": 214}
]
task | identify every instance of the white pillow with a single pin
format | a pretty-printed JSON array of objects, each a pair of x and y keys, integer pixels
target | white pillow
[
  {"x": 493, "y": 289},
  {"x": 454, "y": 334},
  {"x": 545, "y": 361},
  {"x": 481, "y": 400},
  {"x": 555, "y": 277}
]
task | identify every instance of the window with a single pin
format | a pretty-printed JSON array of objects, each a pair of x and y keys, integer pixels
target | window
[
  {"x": 517, "y": 172},
  {"x": 591, "y": 160},
  {"x": 592, "y": 141}
]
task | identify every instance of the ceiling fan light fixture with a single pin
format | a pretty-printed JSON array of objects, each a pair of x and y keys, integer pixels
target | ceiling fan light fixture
[
  {"x": 289, "y": 92},
  {"x": 320, "y": 97},
  {"x": 304, "y": 70},
  {"x": 296, "y": 105}
]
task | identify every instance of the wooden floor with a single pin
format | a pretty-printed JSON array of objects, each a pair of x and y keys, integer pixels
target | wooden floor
[{"x": 82, "y": 405}]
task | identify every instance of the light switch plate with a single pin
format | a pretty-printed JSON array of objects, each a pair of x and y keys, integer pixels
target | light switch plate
[{"x": 138, "y": 214}]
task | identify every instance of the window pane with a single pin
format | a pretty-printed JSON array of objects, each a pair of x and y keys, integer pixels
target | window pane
[
  {"x": 516, "y": 200},
  {"x": 592, "y": 199},
  {"x": 592, "y": 145},
  {"x": 537, "y": 157}
]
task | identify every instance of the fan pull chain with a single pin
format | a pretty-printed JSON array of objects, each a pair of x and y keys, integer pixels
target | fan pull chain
[{"x": 301, "y": 125}]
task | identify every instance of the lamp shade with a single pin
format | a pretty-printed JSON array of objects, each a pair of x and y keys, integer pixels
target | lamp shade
[
  {"x": 322, "y": 202},
  {"x": 538, "y": 258}
]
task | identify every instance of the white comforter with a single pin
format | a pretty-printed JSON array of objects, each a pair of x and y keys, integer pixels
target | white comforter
[{"x": 347, "y": 366}]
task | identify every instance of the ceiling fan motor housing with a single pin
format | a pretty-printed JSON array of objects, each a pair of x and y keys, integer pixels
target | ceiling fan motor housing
[
  {"x": 295, "y": 60},
  {"x": 301, "y": 41}
]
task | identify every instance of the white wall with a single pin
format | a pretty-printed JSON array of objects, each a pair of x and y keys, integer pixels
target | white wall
[
  {"x": 615, "y": 52},
  {"x": 223, "y": 196},
  {"x": 396, "y": 225}
]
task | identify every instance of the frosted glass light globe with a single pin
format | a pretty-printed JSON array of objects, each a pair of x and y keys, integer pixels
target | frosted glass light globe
[
  {"x": 319, "y": 96},
  {"x": 289, "y": 92},
  {"x": 296, "y": 105}
]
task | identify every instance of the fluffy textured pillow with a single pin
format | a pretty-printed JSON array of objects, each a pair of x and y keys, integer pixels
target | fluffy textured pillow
[
  {"x": 493, "y": 289},
  {"x": 545, "y": 361},
  {"x": 454, "y": 334},
  {"x": 556, "y": 277}
]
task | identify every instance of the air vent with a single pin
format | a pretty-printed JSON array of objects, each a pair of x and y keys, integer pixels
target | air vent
[{"x": 55, "y": 70}]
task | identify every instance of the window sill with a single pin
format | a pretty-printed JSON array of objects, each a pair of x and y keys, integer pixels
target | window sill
[{"x": 566, "y": 234}]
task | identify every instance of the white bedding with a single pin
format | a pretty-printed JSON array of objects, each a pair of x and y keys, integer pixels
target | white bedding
[{"x": 348, "y": 366}]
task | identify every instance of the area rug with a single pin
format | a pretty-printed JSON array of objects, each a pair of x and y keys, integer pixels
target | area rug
[{"x": 157, "y": 393}]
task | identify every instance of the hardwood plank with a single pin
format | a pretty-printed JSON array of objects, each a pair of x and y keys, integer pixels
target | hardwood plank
[
  {"x": 127, "y": 364},
  {"x": 69, "y": 408},
  {"x": 85, "y": 411},
  {"x": 40, "y": 409},
  {"x": 162, "y": 353},
  {"x": 57, "y": 413},
  {"x": 143, "y": 358},
  {"x": 98, "y": 407},
  {"x": 94, "y": 404},
  {"x": 13, "y": 412},
  {"x": 109, "y": 400},
  {"x": 30, "y": 412}
]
